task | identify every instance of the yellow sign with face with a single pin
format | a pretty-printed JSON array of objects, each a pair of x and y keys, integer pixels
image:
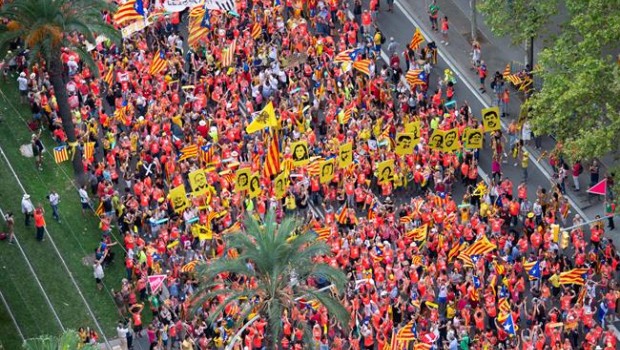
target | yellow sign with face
[
  {"x": 300, "y": 153},
  {"x": 385, "y": 171},
  {"x": 490, "y": 119},
  {"x": 242, "y": 181},
  {"x": 198, "y": 182},
  {"x": 436, "y": 140},
  {"x": 254, "y": 188},
  {"x": 327, "y": 170},
  {"x": 405, "y": 142},
  {"x": 178, "y": 198},
  {"x": 472, "y": 138},
  {"x": 451, "y": 140},
  {"x": 281, "y": 184}
]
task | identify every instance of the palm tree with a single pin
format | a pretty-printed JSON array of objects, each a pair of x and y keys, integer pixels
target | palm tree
[
  {"x": 281, "y": 260},
  {"x": 45, "y": 27},
  {"x": 69, "y": 340}
]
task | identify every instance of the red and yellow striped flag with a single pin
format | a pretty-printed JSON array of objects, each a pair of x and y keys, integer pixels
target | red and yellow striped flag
[
  {"x": 256, "y": 31},
  {"x": 343, "y": 215},
  {"x": 197, "y": 30},
  {"x": 323, "y": 233},
  {"x": 481, "y": 246},
  {"x": 228, "y": 56},
  {"x": 574, "y": 276},
  {"x": 454, "y": 251},
  {"x": 507, "y": 71},
  {"x": 188, "y": 152},
  {"x": 406, "y": 333},
  {"x": 89, "y": 150},
  {"x": 416, "y": 40},
  {"x": 61, "y": 154},
  {"x": 418, "y": 233},
  {"x": 272, "y": 163},
  {"x": 159, "y": 63},
  {"x": 413, "y": 77},
  {"x": 109, "y": 76},
  {"x": 129, "y": 11},
  {"x": 363, "y": 66}
]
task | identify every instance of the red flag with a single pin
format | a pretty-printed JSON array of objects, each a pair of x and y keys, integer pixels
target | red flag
[
  {"x": 599, "y": 188},
  {"x": 156, "y": 281}
]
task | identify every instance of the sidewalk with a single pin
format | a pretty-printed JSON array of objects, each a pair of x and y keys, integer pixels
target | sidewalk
[{"x": 497, "y": 52}]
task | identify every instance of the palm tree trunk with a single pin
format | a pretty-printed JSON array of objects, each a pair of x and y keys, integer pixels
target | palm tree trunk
[{"x": 60, "y": 91}]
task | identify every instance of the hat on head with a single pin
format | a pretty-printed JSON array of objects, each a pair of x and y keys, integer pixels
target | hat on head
[
  {"x": 26, "y": 196},
  {"x": 22, "y": 74},
  {"x": 202, "y": 123},
  {"x": 530, "y": 215}
]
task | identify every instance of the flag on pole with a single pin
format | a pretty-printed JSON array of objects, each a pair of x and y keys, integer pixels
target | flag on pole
[
  {"x": 481, "y": 246},
  {"x": 416, "y": 40},
  {"x": 418, "y": 233},
  {"x": 130, "y": 11},
  {"x": 414, "y": 78},
  {"x": 507, "y": 323},
  {"x": 206, "y": 153},
  {"x": 599, "y": 188},
  {"x": 347, "y": 55},
  {"x": 507, "y": 71},
  {"x": 156, "y": 281},
  {"x": 323, "y": 233},
  {"x": 61, "y": 154},
  {"x": 109, "y": 76},
  {"x": 100, "y": 210},
  {"x": 533, "y": 269},
  {"x": 264, "y": 118},
  {"x": 159, "y": 63},
  {"x": 199, "y": 25},
  {"x": 272, "y": 163},
  {"x": 341, "y": 218},
  {"x": 256, "y": 31}
]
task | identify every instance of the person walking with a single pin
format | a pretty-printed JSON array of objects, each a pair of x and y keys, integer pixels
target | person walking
[
  {"x": 122, "y": 331},
  {"x": 39, "y": 222},
  {"x": 37, "y": 151},
  {"x": 525, "y": 162},
  {"x": 433, "y": 13},
  {"x": 22, "y": 84},
  {"x": 98, "y": 273},
  {"x": 444, "y": 30},
  {"x": 84, "y": 199},
  {"x": 27, "y": 209},
  {"x": 54, "y": 199},
  {"x": 10, "y": 226},
  {"x": 610, "y": 209}
]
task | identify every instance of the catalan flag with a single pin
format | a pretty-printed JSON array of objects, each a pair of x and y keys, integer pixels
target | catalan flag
[
  {"x": 190, "y": 266},
  {"x": 467, "y": 260},
  {"x": 272, "y": 163},
  {"x": 314, "y": 166},
  {"x": 108, "y": 78},
  {"x": 228, "y": 56},
  {"x": 323, "y": 233},
  {"x": 363, "y": 66},
  {"x": 159, "y": 63},
  {"x": 61, "y": 154},
  {"x": 416, "y": 40},
  {"x": 499, "y": 268},
  {"x": 347, "y": 55},
  {"x": 234, "y": 228},
  {"x": 422, "y": 346},
  {"x": 418, "y": 233},
  {"x": 122, "y": 114},
  {"x": 188, "y": 152},
  {"x": 100, "y": 210},
  {"x": 405, "y": 220},
  {"x": 507, "y": 71},
  {"x": 514, "y": 79},
  {"x": 481, "y": 246},
  {"x": 199, "y": 25},
  {"x": 207, "y": 153},
  {"x": 407, "y": 332},
  {"x": 508, "y": 324},
  {"x": 504, "y": 305},
  {"x": 256, "y": 31},
  {"x": 533, "y": 269},
  {"x": 574, "y": 276},
  {"x": 228, "y": 178},
  {"x": 130, "y": 11},
  {"x": 414, "y": 77},
  {"x": 89, "y": 150},
  {"x": 526, "y": 84},
  {"x": 454, "y": 251},
  {"x": 342, "y": 216}
]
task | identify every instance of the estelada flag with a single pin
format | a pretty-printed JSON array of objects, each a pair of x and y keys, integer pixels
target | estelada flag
[
  {"x": 574, "y": 276},
  {"x": 363, "y": 66},
  {"x": 61, "y": 154},
  {"x": 159, "y": 63},
  {"x": 130, "y": 11}
]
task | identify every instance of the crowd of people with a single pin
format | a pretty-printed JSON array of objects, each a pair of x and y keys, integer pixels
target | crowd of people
[{"x": 486, "y": 270}]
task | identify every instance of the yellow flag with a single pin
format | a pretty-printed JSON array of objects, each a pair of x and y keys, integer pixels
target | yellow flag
[
  {"x": 198, "y": 182},
  {"x": 405, "y": 142},
  {"x": 300, "y": 153},
  {"x": 242, "y": 181},
  {"x": 436, "y": 140},
  {"x": 451, "y": 140},
  {"x": 385, "y": 171},
  {"x": 345, "y": 155},
  {"x": 254, "y": 189},
  {"x": 281, "y": 184},
  {"x": 266, "y": 118},
  {"x": 179, "y": 198},
  {"x": 490, "y": 119},
  {"x": 472, "y": 138},
  {"x": 327, "y": 170},
  {"x": 202, "y": 232}
]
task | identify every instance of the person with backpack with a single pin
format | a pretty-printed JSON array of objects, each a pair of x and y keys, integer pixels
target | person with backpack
[{"x": 576, "y": 171}]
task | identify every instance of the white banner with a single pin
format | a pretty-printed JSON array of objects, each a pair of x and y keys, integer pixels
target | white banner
[
  {"x": 223, "y": 5},
  {"x": 135, "y": 27},
  {"x": 180, "y": 5}
]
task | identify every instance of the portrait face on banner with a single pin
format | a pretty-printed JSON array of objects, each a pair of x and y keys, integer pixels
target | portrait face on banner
[
  {"x": 345, "y": 155},
  {"x": 242, "y": 181},
  {"x": 404, "y": 143},
  {"x": 385, "y": 171},
  {"x": 450, "y": 142},
  {"x": 327, "y": 170},
  {"x": 198, "y": 182},
  {"x": 414, "y": 129},
  {"x": 436, "y": 140},
  {"x": 300, "y": 153},
  {"x": 254, "y": 187},
  {"x": 281, "y": 185},
  {"x": 473, "y": 138},
  {"x": 490, "y": 119}
]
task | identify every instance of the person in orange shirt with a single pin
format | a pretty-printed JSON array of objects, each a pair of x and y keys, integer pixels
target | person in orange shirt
[{"x": 39, "y": 222}]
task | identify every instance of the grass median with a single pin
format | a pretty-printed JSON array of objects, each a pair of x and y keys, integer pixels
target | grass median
[{"x": 76, "y": 238}]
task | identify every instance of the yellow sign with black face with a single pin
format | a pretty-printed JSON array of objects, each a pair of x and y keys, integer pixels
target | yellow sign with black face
[
  {"x": 254, "y": 188},
  {"x": 414, "y": 128},
  {"x": 242, "y": 181},
  {"x": 385, "y": 171},
  {"x": 405, "y": 143},
  {"x": 327, "y": 170},
  {"x": 202, "y": 232},
  {"x": 178, "y": 198},
  {"x": 436, "y": 140},
  {"x": 451, "y": 140},
  {"x": 472, "y": 138},
  {"x": 198, "y": 182},
  {"x": 490, "y": 119},
  {"x": 300, "y": 153},
  {"x": 345, "y": 155},
  {"x": 281, "y": 184}
]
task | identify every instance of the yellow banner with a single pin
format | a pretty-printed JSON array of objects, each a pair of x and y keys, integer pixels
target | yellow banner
[
  {"x": 473, "y": 138},
  {"x": 405, "y": 143},
  {"x": 202, "y": 232},
  {"x": 385, "y": 171},
  {"x": 436, "y": 140},
  {"x": 255, "y": 189},
  {"x": 451, "y": 140},
  {"x": 300, "y": 153},
  {"x": 179, "y": 199},
  {"x": 413, "y": 128},
  {"x": 345, "y": 155},
  {"x": 198, "y": 182},
  {"x": 327, "y": 170},
  {"x": 490, "y": 119},
  {"x": 281, "y": 184},
  {"x": 242, "y": 181}
]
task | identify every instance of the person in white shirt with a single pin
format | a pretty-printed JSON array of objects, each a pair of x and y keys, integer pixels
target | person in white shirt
[
  {"x": 84, "y": 199},
  {"x": 54, "y": 199},
  {"x": 121, "y": 332},
  {"x": 98, "y": 274},
  {"x": 27, "y": 209},
  {"x": 22, "y": 83}
]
